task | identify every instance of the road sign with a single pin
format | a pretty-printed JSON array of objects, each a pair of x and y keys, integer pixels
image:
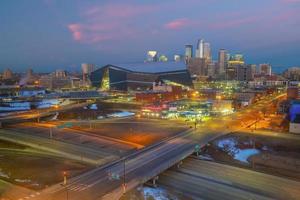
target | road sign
[
  {"x": 68, "y": 124},
  {"x": 115, "y": 176},
  {"x": 60, "y": 126},
  {"x": 197, "y": 147},
  {"x": 65, "y": 125}
]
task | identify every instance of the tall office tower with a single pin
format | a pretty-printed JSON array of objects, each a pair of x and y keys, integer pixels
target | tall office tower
[
  {"x": 87, "y": 69},
  {"x": 222, "y": 61},
  {"x": 200, "y": 49},
  {"x": 197, "y": 66},
  {"x": 253, "y": 69},
  {"x": 7, "y": 74},
  {"x": 265, "y": 69},
  {"x": 188, "y": 51},
  {"x": 244, "y": 73},
  {"x": 212, "y": 69},
  {"x": 292, "y": 73},
  {"x": 207, "y": 52},
  {"x": 152, "y": 56}
]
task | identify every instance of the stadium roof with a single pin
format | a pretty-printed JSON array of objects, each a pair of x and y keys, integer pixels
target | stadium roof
[{"x": 153, "y": 67}]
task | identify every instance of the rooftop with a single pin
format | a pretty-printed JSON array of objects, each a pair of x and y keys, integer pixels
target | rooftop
[{"x": 153, "y": 67}]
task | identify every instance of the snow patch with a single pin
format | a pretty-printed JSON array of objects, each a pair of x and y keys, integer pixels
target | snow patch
[
  {"x": 121, "y": 114},
  {"x": 157, "y": 194},
  {"x": 93, "y": 107},
  {"x": 243, "y": 154},
  {"x": 230, "y": 146}
]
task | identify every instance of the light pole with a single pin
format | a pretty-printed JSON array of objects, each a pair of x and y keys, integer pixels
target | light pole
[
  {"x": 124, "y": 176},
  {"x": 51, "y": 133},
  {"x": 65, "y": 178},
  {"x": 65, "y": 184}
]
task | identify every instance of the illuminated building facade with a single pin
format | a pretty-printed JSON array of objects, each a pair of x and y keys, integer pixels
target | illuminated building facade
[
  {"x": 197, "y": 66},
  {"x": 163, "y": 58},
  {"x": 152, "y": 56},
  {"x": 188, "y": 51},
  {"x": 7, "y": 74},
  {"x": 222, "y": 61},
  {"x": 235, "y": 66},
  {"x": 265, "y": 69},
  {"x": 177, "y": 58},
  {"x": 86, "y": 71},
  {"x": 207, "y": 52},
  {"x": 200, "y": 49},
  {"x": 292, "y": 73}
]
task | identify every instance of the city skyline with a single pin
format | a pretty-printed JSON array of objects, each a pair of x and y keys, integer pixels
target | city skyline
[{"x": 64, "y": 35}]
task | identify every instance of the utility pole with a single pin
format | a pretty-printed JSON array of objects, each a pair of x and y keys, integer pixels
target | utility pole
[{"x": 51, "y": 133}]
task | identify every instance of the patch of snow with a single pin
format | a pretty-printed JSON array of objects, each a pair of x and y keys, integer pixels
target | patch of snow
[
  {"x": 230, "y": 146},
  {"x": 243, "y": 154},
  {"x": 121, "y": 114},
  {"x": 157, "y": 194},
  {"x": 23, "y": 180},
  {"x": 93, "y": 107},
  {"x": 4, "y": 175}
]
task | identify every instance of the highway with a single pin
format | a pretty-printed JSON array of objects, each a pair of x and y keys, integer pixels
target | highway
[
  {"x": 199, "y": 179},
  {"x": 73, "y": 151},
  {"x": 148, "y": 162},
  {"x": 76, "y": 137},
  {"x": 38, "y": 113}
]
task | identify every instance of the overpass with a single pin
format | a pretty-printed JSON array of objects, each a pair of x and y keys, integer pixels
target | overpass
[
  {"x": 112, "y": 180},
  {"x": 209, "y": 180},
  {"x": 37, "y": 114}
]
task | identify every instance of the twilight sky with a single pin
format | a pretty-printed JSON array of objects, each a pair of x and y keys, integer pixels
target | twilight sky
[{"x": 49, "y": 34}]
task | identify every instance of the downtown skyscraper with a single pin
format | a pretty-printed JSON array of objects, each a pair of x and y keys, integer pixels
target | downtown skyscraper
[
  {"x": 188, "y": 51},
  {"x": 207, "y": 52},
  {"x": 222, "y": 61},
  {"x": 203, "y": 50},
  {"x": 200, "y": 49}
]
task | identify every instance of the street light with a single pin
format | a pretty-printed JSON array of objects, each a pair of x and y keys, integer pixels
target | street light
[
  {"x": 65, "y": 183},
  {"x": 65, "y": 177},
  {"x": 124, "y": 177}
]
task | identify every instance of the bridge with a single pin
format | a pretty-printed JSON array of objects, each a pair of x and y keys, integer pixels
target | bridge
[
  {"x": 38, "y": 114},
  {"x": 148, "y": 163},
  {"x": 209, "y": 180}
]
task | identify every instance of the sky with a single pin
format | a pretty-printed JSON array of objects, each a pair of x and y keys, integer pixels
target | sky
[{"x": 50, "y": 34}]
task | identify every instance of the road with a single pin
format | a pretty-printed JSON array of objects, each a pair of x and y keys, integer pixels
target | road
[
  {"x": 147, "y": 163},
  {"x": 199, "y": 179},
  {"x": 76, "y": 137},
  {"x": 72, "y": 151},
  {"x": 38, "y": 113}
]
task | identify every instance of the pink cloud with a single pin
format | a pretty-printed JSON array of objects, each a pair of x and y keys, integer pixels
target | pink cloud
[
  {"x": 76, "y": 31},
  {"x": 178, "y": 24},
  {"x": 109, "y": 22}
]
